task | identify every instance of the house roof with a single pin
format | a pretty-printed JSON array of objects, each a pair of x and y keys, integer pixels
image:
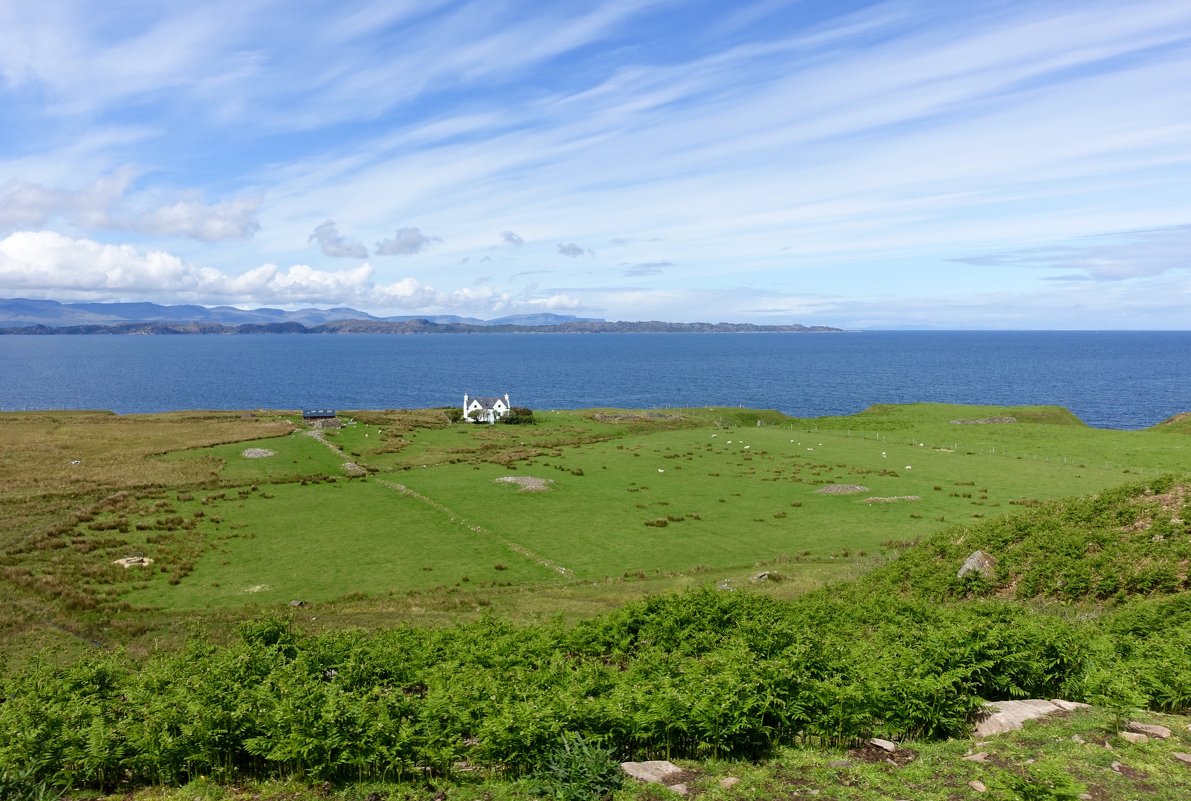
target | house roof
[
  {"x": 487, "y": 403},
  {"x": 309, "y": 414}
]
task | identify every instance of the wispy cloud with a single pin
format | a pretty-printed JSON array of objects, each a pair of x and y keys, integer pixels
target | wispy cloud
[
  {"x": 645, "y": 268},
  {"x": 1115, "y": 257},
  {"x": 510, "y": 238}
]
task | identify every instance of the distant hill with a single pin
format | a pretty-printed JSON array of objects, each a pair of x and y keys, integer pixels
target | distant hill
[
  {"x": 19, "y": 312},
  {"x": 39, "y": 317}
]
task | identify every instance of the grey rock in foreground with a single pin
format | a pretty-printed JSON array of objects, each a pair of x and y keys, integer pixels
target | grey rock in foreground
[
  {"x": 657, "y": 771},
  {"x": 978, "y": 562},
  {"x": 1009, "y": 716},
  {"x": 1150, "y": 729}
]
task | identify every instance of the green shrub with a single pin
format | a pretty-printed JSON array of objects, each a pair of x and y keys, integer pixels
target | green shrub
[{"x": 578, "y": 769}]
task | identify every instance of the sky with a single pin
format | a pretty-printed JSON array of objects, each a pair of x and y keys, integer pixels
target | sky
[{"x": 914, "y": 165}]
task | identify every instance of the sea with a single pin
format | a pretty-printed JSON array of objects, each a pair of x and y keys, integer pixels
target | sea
[{"x": 1123, "y": 380}]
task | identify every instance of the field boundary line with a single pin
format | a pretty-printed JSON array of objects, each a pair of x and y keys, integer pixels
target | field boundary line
[{"x": 458, "y": 519}]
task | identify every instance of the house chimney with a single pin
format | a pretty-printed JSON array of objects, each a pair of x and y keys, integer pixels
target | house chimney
[{"x": 507, "y": 401}]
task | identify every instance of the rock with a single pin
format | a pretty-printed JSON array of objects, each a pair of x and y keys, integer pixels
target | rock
[
  {"x": 1075, "y": 738},
  {"x": 297, "y": 603},
  {"x": 655, "y": 771},
  {"x": 1181, "y": 757},
  {"x": 1116, "y": 766},
  {"x": 884, "y": 745},
  {"x": 1009, "y": 716},
  {"x": 1085, "y": 797},
  {"x": 978, "y": 786},
  {"x": 728, "y": 782},
  {"x": 1161, "y": 732},
  {"x": 979, "y": 562},
  {"x": 982, "y": 756},
  {"x": 1133, "y": 737},
  {"x": 1069, "y": 706},
  {"x": 839, "y": 763},
  {"x": 679, "y": 788}
]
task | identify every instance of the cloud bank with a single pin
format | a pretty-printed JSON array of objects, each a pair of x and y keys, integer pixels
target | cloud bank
[{"x": 49, "y": 265}]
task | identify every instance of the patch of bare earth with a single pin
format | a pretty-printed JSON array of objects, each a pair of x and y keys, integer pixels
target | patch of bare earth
[
  {"x": 874, "y": 754},
  {"x": 526, "y": 483}
]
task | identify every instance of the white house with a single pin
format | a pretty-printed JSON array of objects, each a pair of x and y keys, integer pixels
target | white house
[{"x": 485, "y": 410}]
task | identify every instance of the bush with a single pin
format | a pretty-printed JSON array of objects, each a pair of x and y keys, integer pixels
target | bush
[
  {"x": 519, "y": 416},
  {"x": 579, "y": 770}
]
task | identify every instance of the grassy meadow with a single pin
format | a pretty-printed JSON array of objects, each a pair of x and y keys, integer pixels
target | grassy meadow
[{"x": 408, "y": 515}]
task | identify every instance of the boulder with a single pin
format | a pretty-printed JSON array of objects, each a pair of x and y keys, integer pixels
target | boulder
[
  {"x": 655, "y": 771},
  {"x": 978, "y": 562},
  {"x": 1149, "y": 729},
  {"x": 1181, "y": 757},
  {"x": 978, "y": 786},
  {"x": 884, "y": 745},
  {"x": 1133, "y": 737},
  {"x": 1006, "y": 716}
]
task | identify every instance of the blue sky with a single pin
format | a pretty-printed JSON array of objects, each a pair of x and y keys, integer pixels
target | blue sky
[{"x": 867, "y": 165}]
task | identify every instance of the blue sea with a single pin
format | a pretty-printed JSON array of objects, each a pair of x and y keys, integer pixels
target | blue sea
[{"x": 1109, "y": 379}]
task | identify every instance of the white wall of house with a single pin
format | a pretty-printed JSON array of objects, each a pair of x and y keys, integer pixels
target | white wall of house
[{"x": 475, "y": 409}]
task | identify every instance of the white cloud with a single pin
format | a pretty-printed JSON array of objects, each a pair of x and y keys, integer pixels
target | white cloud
[
  {"x": 231, "y": 219},
  {"x": 334, "y": 244},
  {"x": 105, "y": 204},
  {"x": 556, "y": 302},
  {"x": 406, "y": 242},
  {"x": 47, "y": 264}
]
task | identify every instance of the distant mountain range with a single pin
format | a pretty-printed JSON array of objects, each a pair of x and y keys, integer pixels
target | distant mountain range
[
  {"x": 42, "y": 317},
  {"x": 20, "y": 312}
]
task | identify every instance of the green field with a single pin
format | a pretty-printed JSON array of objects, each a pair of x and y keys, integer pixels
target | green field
[
  {"x": 427, "y": 525},
  {"x": 690, "y": 495}
]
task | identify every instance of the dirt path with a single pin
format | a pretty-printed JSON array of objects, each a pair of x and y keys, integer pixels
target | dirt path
[
  {"x": 520, "y": 550},
  {"x": 349, "y": 467}
]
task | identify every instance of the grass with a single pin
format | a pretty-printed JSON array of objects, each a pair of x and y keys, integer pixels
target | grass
[
  {"x": 637, "y": 501},
  {"x": 356, "y": 537}
]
